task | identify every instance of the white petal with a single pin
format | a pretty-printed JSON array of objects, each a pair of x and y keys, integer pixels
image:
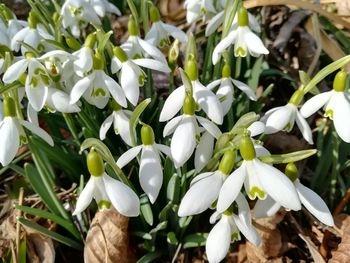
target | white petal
[
  {"x": 209, "y": 126},
  {"x": 122, "y": 197},
  {"x": 80, "y": 87},
  {"x": 183, "y": 141},
  {"x": 172, "y": 125},
  {"x": 32, "y": 115},
  {"x": 85, "y": 197},
  {"x": 195, "y": 202},
  {"x": 248, "y": 231},
  {"x": 304, "y": 128},
  {"x": 126, "y": 157},
  {"x": 9, "y": 140},
  {"x": 115, "y": 90},
  {"x": 105, "y": 126},
  {"x": 261, "y": 150},
  {"x": 225, "y": 94},
  {"x": 173, "y": 104},
  {"x": 314, "y": 204},
  {"x": 223, "y": 45},
  {"x": 152, "y": 51},
  {"x": 231, "y": 188},
  {"x": 278, "y": 120},
  {"x": 15, "y": 71},
  {"x": 254, "y": 43},
  {"x": 164, "y": 149},
  {"x": 122, "y": 124},
  {"x": 218, "y": 241},
  {"x": 266, "y": 208},
  {"x": 116, "y": 65},
  {"x": 199, "y": 177},
  {"x": 213, "y": 84},
  {"x": 245, "y": 88},
  {"x": 59, "y": 100},
  {"x": 129, "y": 81},
  {"x": 277, "y": 185},
  {"x": 152, "y": 64},
  {"x": 256, "y": 128},
  {"x": 36, "y": 95},
  {"x": 84, "y": 62},
  {"x": 214, "y": 23},
  {"x": 314, "y": 104},
  {"x": 341, "y": 114},
  {"x": 204, "y": 151},
  {"x": 151, "y": 175},
  {"x": 175, "y": 32},
  {"x": 38, "y": 131}
]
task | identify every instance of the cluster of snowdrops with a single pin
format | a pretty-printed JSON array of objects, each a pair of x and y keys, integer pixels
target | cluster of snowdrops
[{"x": 231, "y": 166}]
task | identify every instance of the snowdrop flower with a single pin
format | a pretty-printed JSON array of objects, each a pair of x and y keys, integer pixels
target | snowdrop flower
[
  {"x": 120, "y": 119},
  {"x": 197, "y": 8},
  {"x": 131, "y": 75},
  {"x": 78, "y": 13},
  {"x": 284, "y": 117},
  {"x": 150, "y": 174},
  {"x": 106, "y": 190},
  {"x": 37, "y": 81},
  {"x": 194, "y": 202},
  {"x": 159, "y": 32},
  {"x": 34, "y": 35},
  {"x": 226, "y": 89},
  {"x": 185, "y": 129},
  {"x": 336, "y": 105},
  {"x": 85, "y": 56},
  {"x": 312, "y": 201},
  {"x": 259, "y": 180},
  {"x": 103, "y": 6},
  {"x": 9, "y": 29},
  {"x": 97, "y": 87},
  {"x": 135, "y": 47},
  {"x": 12, "y": 133},
  {"x": 204, "y": 97},
  {"x": 204, "y": 151},
  {"x": 243, "y": 39},
  {"x": 228, "y": 228}
]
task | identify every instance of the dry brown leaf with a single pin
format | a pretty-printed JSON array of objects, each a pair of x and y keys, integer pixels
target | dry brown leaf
[
  {"x": 40, "y": 249},
  {"x": 316, "y": 256},
  {"x": 342, "y": 253},
  {"x": 108, "y": 239},
  {"x": 343, "y": 7}
]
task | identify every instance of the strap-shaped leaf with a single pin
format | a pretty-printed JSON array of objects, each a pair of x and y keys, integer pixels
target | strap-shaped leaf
[{"x": 288, "y": 157}]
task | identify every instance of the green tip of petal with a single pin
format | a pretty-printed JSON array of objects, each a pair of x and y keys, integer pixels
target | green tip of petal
[
  {"x": 339, "y": 82},
  {"x": 256, "y": 192},
  {"x": 95, "y": 163},
  {"x": 147, "y": 135},
  {"x": 291, "y": 171},
  {"x": 9, "y": 107},
  {"x": 104, "y": 204}
]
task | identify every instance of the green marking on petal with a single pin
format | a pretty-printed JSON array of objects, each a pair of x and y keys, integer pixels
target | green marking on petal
[
  {"x": 235, "y": 236},
  {"x": 164, "y": 42},
  {"x": 23, "y": 139},
  {"x": 116, "y": 131},
  {"x": 99, "y": 92},
  {"x": 34, "y": 82},
  {"x": 104, "y": 204},
  {"x": 257, "y": 192},
  {"x": 203, "y": 11},
  {"x": 49, "y": 109},
  {"x": 240, "y": 52},
  {"x": 329, "y": 114},
  {"x": 288, "y": 127}
]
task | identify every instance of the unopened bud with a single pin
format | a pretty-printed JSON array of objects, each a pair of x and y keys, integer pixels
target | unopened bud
[
  {"x": 147, "y": 135},
  {"x": 95, "y": 163}
]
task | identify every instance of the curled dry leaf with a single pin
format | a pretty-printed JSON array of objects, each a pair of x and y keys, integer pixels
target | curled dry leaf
[
  {"x": 342, "y": 253},
  {"x": 108, "y": 239},
  {"x": 40, "y": 249}
]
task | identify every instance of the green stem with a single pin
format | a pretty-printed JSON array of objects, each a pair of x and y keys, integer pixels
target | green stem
[
  {"x": 171, "y": 82},
  {"x": 207, "y": 65},
  {"x": 71, "y": 126},
  {"x": 144, "y": 16},
  {"x": 133, "y": 10},
  {"x": 229, "y": 19}
]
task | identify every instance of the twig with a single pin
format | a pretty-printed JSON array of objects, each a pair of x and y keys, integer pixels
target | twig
[
  {"x": 18, "y": 225},
  {"x": 343, "y": 202}
]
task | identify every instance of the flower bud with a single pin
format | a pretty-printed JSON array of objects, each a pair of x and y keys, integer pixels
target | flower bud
[
  {"x": 297, "y": 97},
  {"x": 95, "y": 163},
  {"x": 154, "y": 14},
  {"x": 72, "y": 43},
  {"x": 246, "y": 148},
  {"x": 227, "y": 162},
  {"x": 173, "y": 54},
  {"x": 189, "y": 105},
  {"x": 243, "y": 17},
  {"x": 132, "y": 27},
  {"x": 226, "y": 71},
  {"x": 9, "y": 107},
  {"x": 120, "y": 54},
  {"x": 90, "y": 41},
  {"x": 191, "y": 69},
  {"x": 339, "y": 82},
  {"x": 291, "y": 171},
  {"x": 147, "y": 135}
]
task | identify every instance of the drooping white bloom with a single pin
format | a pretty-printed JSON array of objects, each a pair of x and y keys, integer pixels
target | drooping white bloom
[
  {"x": 259, "y": 180},
  {"x": 12, "y": 133},
  {"x": 284, "y": 117},
  {"x": 84, "y": 60},
  {"x": 77, "y": 14},
  {"x": 204, "y": 151},
  {"x": 102, "y": 7},
  {"x": 243, "y": 39},
  {"x": 150, "y": 174},
  {"x": 229, "y": 226},
  {"x": 96, "y": 89},
  {"x": 9, "y": 29},
  {"x": 226, "y": 89},
  {"x": 106, "y": 189},
  {"x": 159, "y": 32},
  {"x": 131, "y": 75},
  {"x": 336, "y": 104},
  {"x": 198, "y": 8},
  {"x": 312, "y": 202},
  {"x": 120, "y": 119}
]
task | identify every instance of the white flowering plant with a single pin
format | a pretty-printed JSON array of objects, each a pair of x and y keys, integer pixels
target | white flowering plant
[{"x": 80, "y": 111}]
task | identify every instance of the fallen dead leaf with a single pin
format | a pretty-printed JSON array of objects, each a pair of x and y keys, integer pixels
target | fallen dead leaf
[{"x": 342, "y": 253}]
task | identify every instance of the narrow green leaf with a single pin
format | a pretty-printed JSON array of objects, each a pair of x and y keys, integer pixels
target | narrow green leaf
[
  {"x": 65, "y": 240},
  {"x": 185, "y": 221},
  {"x": 150, "y": 257},
  {"x": 54, "y": 43},
  {"x": 143, "y": 235},
  {"x": 173, "y": 189},
  {"x": 146, "y": 210},
  {"x": 23, "y": 250},
  {"x": 135, "y": 117},
  {"x": 288, "y": 157},
  {"x": 195, "y": 240},
  {"x": 244, "y": 121},
  {"x": 104, "y": 40},
  {"x": 163, "y": 214},
  {"x": 160, "y": 226}
]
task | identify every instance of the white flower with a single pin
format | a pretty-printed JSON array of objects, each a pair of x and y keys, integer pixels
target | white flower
[
  {"x": 150, "y": 174},
  {"x": 120, "y": 120},
  {"x": 312, "y": 202},
  {"x": 283, "y": 118},
  {"x": 76, "y": 14},
  {"x": 337, "y": 108},
  {"x": 84, "y": 61},
  {"x": 204, "y": 151},
  {"x": 197, "y": 8},
  {"x": 226, "y": 90},
  {"x": 259, "y": 180},
  {"x": 10, "y": 29},
  {"x": 12, "y": 133},
  {"x": 96, "y": 89},
  {"x": 243, "y": 39},
  {"x": 105, "y": 190},
  {"x": 229, "y": 226},
  {"x": 131, "y": 75},
  {"x": 101, "y": 7}
]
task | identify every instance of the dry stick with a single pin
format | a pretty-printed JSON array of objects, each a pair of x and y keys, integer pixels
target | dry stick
[
  {"x": 343, "y": 202},
  {"x": 301, "y": 4},
  {"x": 316, "y": 28},
  {"x": 18, "y": 225}
]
